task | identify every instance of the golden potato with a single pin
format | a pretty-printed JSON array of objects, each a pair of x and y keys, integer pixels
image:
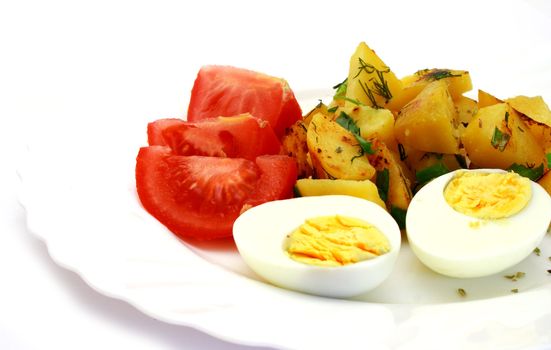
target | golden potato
[
  {"x": 320, "y": 108},
  {"x": 459, "y": 82},
  {"x": 541, "y": 132},
  {"x": 536, "y": 115},
  {"x": 370, "y": 81},
  {"x": 335, "y": 152},
  {"x": 358, "y": 188},
  {"x": 372, "y": 122},
  {"x": 427, "y": 123},
  {"x": 534, "y": 108},
  {"x": 485, "y": 99},
  {"x": 397, "y": 191},
  {"x": 498, "y": 138},
  {"x": 294, "y": 145},
  {"x": 466, "y": 108}
]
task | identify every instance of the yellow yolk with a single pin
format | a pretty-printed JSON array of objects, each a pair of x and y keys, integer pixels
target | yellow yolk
[
  {"x": 335, "y": 241},
  {"x": 488, "y": 195}
]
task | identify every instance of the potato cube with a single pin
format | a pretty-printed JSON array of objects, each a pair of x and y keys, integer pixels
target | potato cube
[
  {"x": 370, "y": 81},
  {"x": 335, "y": 152},
  {"x": 427, "y": 123},
  {"x": 498, "y": 138}
]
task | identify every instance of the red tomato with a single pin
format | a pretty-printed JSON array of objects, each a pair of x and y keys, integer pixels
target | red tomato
[
  {"x": 228, "y": 91},
  {"x": 200, "y": 197},
  {"x": 241, "y": 136},
  {"x": 155, "y": 130}
]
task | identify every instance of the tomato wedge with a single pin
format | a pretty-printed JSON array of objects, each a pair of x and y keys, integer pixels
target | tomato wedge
[
  {"x": 241, "y": 136},
  {"x": 200, "y": 197},
  {"x": 228, "y": 91},
  {"x": 155, "y": 130}
]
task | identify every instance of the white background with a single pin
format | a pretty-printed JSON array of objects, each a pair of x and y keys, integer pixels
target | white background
[{"x": 67, "y": 65}]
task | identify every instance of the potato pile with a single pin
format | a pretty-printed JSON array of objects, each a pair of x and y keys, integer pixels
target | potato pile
[{"x": 382, "y": 137}]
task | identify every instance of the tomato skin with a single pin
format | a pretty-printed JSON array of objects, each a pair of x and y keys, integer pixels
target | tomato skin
[
  {"x": 200, "y": 197},
  {"x": 228, "y": 91},
  {"x": 240, "y": 136}
]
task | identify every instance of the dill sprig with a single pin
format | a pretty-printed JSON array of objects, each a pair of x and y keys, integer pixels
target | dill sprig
[{"x": 379, "y": 85}]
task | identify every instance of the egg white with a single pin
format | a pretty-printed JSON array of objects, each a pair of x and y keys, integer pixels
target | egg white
[
  {"x": 457, "y": 245},
  {"x": 259, "y": 234}
]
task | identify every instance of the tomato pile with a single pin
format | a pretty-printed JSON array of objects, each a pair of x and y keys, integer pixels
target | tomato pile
[{"x": 197, "y": 176}]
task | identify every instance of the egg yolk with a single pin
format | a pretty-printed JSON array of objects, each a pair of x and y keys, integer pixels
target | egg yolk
[
  {"x": 488, "y": 195},
  {"x": 335, "y": 241}
]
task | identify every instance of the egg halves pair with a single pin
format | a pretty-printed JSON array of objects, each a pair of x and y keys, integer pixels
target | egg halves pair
[{"x": 444, "y": 239}]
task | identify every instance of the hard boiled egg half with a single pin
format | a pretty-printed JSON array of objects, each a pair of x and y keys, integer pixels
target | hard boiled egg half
[
  {"x": 262, "y": 235},
  {"x": 473, "y": 223}
]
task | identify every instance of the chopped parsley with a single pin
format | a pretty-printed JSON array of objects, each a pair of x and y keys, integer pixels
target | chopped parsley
[
  {"x": 349, "y": 124},
  {"x": 383, "y": 181},
  {"x": 532, "y": 173},
  {"x": 399, "y": 216},
  {"x": 431, "y": 172},
  {"x": 341, "y": 89},
  {"x": 500, "y": 139}
]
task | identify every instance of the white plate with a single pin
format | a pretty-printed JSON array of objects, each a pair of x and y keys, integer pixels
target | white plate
[{"x": 81, "y": 201}]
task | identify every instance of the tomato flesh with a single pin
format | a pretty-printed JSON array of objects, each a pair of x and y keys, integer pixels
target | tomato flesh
[
  {"x": 155, "y": 130},
  {"x": 241, "y": 136},
  {"x": 228, "y": 91},
  {"x": 200, "y": 197}
]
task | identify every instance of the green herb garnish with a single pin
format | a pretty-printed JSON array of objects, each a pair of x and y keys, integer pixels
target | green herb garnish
[
  {"x": 356, "y": 102},
  {"x": 332, "y": 109},
  {"x": 341, "y": 85},
  {"x": 340, "y": 89},
  {"x": 369, "y": 94},
  {"x": 349, "y": 124},
  {"x": 382, "y": 181},
  {"x": 537, "y": 251},
  {"x": 461, "y": 292},
  {"x": 379, "y": 85},
  {"x": 399, "y": 216},
  {"x": 548, "y": 156},
  {"x": 500, "y": 139},
  {"x": 514, "y": 290},
  {"x": 437, "y": 74},
  {"x": 425, "y": 175},
  {"x": 532, "y": 173}
]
